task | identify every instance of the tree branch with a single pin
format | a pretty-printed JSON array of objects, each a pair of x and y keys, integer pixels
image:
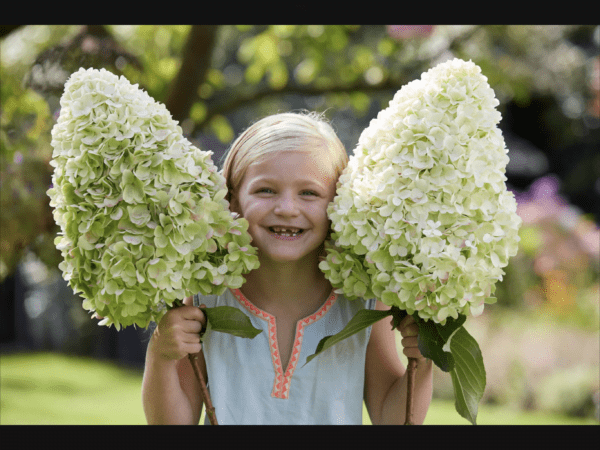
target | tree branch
[
  {"x": 307, "y": 91},
  {"x": 216, "y": 108}
]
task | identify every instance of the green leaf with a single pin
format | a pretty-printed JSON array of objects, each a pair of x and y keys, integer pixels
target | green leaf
[
  {"x": 431, "y": 346},
  {"x": 434, "y": 336},
  {"x": 468, "y": 375},
  {"x": 398, "y": 315},
  {"x": 228, "y": 319},
  {"x": 361, "y": 320},
  {"x": 450, "y": 327}
]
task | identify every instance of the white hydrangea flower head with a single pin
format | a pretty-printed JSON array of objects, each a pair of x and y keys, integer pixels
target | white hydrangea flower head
[
  {"x": 422, "y": 218},
  {"x": 142, "y": 212}
]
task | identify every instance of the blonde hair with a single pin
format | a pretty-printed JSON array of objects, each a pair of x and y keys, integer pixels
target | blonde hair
[{"x": 302, "y": 131}]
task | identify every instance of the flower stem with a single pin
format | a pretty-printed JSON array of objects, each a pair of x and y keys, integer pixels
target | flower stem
[
  {"x": 399, "y": 314},
  {"x": 410, "y": 373},
  {"x": 210, "y": 410}
]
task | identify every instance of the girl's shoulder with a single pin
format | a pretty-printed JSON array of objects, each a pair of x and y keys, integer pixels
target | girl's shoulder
[
  {"x": 370, "y": 303},
  {"x": 354, "y": 306}
]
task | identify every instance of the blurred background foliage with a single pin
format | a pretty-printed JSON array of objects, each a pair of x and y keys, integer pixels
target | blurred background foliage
[{"x": 216, "y": 80}]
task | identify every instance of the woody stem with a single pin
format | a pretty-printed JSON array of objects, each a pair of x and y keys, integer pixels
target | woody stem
[
  {"x": 210, "y": 410},
  {"x": 410, "y": 373}
]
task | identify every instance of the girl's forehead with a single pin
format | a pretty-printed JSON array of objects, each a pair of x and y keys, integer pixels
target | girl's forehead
[
  {"x": 291, "y": 165},
  {"x": 303, "y": 161}
]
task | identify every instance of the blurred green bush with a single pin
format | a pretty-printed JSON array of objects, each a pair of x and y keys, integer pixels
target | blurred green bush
[{"x": 572, "y": 391}]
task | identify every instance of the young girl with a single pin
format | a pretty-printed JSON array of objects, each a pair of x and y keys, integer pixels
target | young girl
[{"x": 281, "y": 176}]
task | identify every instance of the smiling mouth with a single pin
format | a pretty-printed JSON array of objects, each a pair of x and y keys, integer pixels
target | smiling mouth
[{"x": 286, "y": 232}]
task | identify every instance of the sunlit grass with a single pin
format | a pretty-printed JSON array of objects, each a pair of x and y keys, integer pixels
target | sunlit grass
[
  {"x": 442, "y": 412},
  {"x": 48, "y": 388},
  {"x": 55, "y": 389}
]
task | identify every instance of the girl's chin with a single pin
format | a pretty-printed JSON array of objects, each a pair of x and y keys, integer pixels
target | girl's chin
[
  {"x": 288, "y": 256},
  {"x": 284, "y": 258}
]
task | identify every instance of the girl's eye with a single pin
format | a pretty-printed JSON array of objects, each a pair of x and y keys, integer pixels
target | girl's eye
[{"x": 270, "y": 191}]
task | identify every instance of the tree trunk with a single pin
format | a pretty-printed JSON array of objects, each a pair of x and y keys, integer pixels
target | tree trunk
[{"x": 194, "y": 66}]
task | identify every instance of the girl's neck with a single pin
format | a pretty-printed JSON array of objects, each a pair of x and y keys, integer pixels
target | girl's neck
[{"x": 298, "y": 287}]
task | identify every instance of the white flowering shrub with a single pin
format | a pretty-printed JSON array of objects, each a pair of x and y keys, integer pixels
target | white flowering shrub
[
  {"x": 142, "y": 211},
  {"x": 422, "y": 219}
]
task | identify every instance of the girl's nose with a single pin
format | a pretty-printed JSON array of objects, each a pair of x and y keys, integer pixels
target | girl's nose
[{"x": 286, "y": 205}]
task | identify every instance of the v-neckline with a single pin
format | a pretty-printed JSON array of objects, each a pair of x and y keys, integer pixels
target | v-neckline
[{"x": 281, "y": 385}]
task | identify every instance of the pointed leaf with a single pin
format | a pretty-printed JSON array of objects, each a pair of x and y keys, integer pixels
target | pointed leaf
[
  {"x": 228, "y": 319},
  {"x": 361, "y": 320},
  {"x": 398, "y": 315},
  {"x": 468, "y": 375},
  {"x": 431, "y": 346},
  {"x": 433, "y": 338},
  {"x": 450, "y": 327}
]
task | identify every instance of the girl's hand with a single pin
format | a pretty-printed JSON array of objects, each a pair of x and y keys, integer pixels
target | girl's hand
[
  {"x": 409, "y": 330},
  {"x": 178, "y": 333}
]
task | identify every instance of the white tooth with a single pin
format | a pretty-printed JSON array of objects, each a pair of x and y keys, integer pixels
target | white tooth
[{"x": 286, "y": 232}]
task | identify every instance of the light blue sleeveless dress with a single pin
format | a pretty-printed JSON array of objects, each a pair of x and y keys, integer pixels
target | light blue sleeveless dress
[{"x": 249, "y": 386}]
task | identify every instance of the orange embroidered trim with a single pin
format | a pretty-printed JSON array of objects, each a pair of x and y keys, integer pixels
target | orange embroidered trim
[
  {"x": 300, "y": 326},
  {"x": 281, "y": 385}
]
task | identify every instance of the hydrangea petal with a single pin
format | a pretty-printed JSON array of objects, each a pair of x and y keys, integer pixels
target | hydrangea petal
[
  {"x": 423, "y": 199},
  {"x": 121, "y": 167}
]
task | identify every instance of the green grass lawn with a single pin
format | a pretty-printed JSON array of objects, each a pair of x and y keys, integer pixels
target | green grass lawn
[
  {"x": 47, "y": 388},
  {"x": 54, "y": 389}
]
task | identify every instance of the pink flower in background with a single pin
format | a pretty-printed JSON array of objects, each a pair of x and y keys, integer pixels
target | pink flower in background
[
  {"x": 409, "y": 31},
  {"x": 542, "y": 203}
]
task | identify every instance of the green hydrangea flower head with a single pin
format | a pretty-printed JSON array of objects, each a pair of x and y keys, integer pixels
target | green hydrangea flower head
[
  {"x": 142, "y": 211},
  {"x": 422, "y": 218}
]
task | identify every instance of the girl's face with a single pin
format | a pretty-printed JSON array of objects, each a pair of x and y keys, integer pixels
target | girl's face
[{"x": 284, "y": 198}]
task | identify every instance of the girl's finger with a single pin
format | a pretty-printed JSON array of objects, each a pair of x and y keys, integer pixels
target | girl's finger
[
  {"x": 411, "y": 330},
  {"x": 407, "y": 321},
  {"x": 192, "y": 338},
  {"x": 193, "y": 348},
  {"x": 403, "y": 323},
  {"x": 192, "y": 327},
  {"x": 412, "y": 352},
  {"x": 410, "y": 342}
]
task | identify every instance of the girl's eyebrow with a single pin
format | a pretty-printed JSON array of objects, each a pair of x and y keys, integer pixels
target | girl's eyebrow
[{"x": 301, "y": 181}]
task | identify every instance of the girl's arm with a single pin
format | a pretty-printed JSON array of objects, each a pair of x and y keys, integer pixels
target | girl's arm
[
  {"x": 170, "y": 391},
  {"x": 386, "y": 380}
]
